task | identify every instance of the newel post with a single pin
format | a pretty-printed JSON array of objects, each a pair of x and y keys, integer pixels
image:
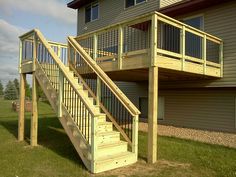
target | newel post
[
  {"x": 95, "y": 46},
  {"x": 93, "y": 143},
  {"x": 154, "y": 35},
  {"x": 182, "y": 47},
  {"x": 68, "y": 53},
  {"x": 120, "y": 46},
  {"x": 221, "y": 57},
  {"x": 204, "y": 48},
  {"x": 135, "y": 135}
]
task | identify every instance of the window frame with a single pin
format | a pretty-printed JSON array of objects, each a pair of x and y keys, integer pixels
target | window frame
[
  {"x": 195, "y": 16},
  {"x": 135, "y": 4},
  {"x": 162, "y": 107},
  {"x": 91, "y": 12}
]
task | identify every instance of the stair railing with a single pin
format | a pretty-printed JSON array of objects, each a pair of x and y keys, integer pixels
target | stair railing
[
  {"x": 43, "y": 55},
  {"x": 112, "y": 101}
]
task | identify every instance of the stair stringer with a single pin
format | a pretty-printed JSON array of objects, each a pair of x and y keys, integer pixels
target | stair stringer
[
  {"x": 77, "y": 141},
  {"x": 46, "y": 86}
]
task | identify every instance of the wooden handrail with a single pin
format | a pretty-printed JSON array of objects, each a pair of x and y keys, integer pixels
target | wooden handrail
[
  {"x": 112, "y": 119},
  {"x": 102, "y": 75},
  {"x": 62, "y": 68},
  {"x": 57, "y": 44}
]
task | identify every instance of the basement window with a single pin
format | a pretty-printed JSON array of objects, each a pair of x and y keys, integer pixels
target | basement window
[
  {"x": 129, "y": 3},
  {"x": 91, "y": 12}
]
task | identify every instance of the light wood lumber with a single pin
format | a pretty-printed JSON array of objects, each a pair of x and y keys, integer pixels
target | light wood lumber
[{"x": 152, "y": 114}]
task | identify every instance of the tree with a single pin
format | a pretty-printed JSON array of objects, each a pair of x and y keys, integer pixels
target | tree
[
  {"x": 17, "y": 86},
  {"x": 10, "y": 91},
  {"x": 1, "y": 89},
  {"x": 41, "y": 94},
  {"x": 27, "y": 90}
]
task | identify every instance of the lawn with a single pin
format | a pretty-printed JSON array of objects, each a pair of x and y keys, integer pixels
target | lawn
[{"x": 55, "y": 156}]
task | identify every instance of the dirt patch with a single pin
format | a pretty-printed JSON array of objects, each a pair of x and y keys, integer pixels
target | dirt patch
[
  {"x": 141, "y": 168},
  {"x": 211, "y": 137}
]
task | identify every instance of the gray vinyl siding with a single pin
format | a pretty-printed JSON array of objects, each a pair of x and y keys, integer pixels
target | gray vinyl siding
[
  {"x": 113, "y": 11},
  {"x": 209, "y": 110},
  {"x": 219, "y": 21},
  {"x": 133, "y": 91},
  {"x": 165, "y": 3}
]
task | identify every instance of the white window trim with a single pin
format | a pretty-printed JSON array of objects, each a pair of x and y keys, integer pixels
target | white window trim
[
  {"x": 91, "y": 5},
  {"x": 135, "y": 4},
  {"x": 195, "y": 16}
]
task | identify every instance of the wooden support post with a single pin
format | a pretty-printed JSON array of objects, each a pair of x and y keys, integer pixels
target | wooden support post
[
  {"x": 34, "y": 118},
  {"x": 120, "y": 46},
  {"x": 135, "y": 136},
  {"x": 182, "y": 46},
  {"x": 21, "y": 121},
  {"x": 95, "y": 46},
  {"x": 204, "y": 48},
  {"x": 152, "y": 114},
  {"x": 60, "y": 94},
  {"x": 154, "y": 36},
  {"x": 221, "y": 57}
]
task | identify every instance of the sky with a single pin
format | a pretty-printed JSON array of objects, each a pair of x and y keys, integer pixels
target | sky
[{"x": 52, "y": 17}]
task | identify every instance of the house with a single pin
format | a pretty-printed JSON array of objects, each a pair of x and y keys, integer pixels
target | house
[
  {"x": 130, "y": 60},
  {"x": 203, "y": 103}
]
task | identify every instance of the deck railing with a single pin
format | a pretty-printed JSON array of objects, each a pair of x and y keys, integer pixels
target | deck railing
[
  {"x": 109, "y": 98},
  {"x": 27, "y": 47},
  {"x": 158, "y": 34},
  {"x": 45, "y": 56},
  {"x": 121, "y": 112}
]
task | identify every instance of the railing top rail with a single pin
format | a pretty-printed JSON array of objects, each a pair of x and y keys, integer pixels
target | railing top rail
[
  {"x": 57, "y": 43},
  {"x": 26, "y": 35},
  {"x": 141, "y": 18},
  {"x": 101, "y": 74},
  {"x": 147, "y": 17},
  {"x": 187, "y": 26}
]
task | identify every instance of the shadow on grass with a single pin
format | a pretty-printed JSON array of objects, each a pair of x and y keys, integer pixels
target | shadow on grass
[{"x": 50, "y": 135}]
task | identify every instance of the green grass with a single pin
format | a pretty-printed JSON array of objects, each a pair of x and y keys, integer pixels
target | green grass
[{"x": 55, "y": 155}]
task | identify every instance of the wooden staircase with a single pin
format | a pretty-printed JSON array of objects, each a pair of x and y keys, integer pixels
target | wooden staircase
[{"x": 95, "y": 136}]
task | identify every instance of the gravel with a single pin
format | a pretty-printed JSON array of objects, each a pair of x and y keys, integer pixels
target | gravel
[{"x": 211, "y": 137}]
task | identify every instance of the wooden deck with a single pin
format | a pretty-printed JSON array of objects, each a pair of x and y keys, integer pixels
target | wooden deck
[{"x": 154, "y": 40}]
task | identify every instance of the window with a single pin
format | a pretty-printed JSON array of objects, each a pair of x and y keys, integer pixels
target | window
[
  {"x": 143, "y": 107},
  {"x": 129, "y": 3},
  {"x": 193, "y": 42},
  {"x": 196, "y": 22},
  {"x": 91, "y": 12}
]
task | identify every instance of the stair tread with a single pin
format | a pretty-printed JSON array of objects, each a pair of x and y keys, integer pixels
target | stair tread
[
  {"x": 114, "y": 156},
  {"x": 101, "y": 146},
  {"x": 107, "y": 133}
]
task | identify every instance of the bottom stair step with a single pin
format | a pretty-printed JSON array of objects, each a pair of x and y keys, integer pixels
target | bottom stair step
[
  {"x": 112, "y": 148},
  {"x": 110, "y": 162}
]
